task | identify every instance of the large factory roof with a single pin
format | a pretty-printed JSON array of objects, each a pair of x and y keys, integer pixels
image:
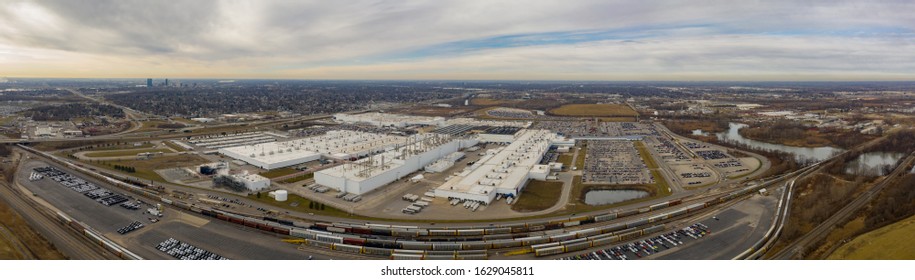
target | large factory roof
[
  {"x": 504, "y": 169},
  {"x": 338, "y": 144}
]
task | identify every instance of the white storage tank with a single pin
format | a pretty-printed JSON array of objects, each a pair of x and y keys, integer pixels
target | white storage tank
[{"x": 280, "y": 195}]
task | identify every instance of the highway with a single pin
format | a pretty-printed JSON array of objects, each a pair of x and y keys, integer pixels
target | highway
[{"x": 797, "y": 248}]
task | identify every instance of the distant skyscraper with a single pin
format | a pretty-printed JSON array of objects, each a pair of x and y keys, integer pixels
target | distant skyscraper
[
  {"x": 148, "y": 82},
  {"x": 166, "y": 82}
]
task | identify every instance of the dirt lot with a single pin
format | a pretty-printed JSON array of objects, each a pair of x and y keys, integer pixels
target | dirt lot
[{"x": 595, "y": 110}]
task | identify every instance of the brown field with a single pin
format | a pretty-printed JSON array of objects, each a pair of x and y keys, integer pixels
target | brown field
[
  {"x": 39, "y": 247},
  {"x": 434, "y": 111},
  {"x": 537, "y": 196},
  {"x": 595, "y": 110},
  {"x": 489, "y": 102},
  {"x": 892, "y": 242}
]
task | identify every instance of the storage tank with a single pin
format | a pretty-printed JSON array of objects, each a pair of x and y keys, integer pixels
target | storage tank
[{"x": 281, "y": 195}]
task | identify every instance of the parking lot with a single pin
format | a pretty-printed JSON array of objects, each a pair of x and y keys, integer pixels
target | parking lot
[
  {"x": 614, "y": 162},
  {"x": 648, "y": 246}
]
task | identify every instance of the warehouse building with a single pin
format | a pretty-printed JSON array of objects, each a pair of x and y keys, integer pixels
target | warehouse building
[
  {"x": 389, "y": 120},
  {"x": 370, "y": 173},
  {"x": 503, "y": 171},
  {"x": 253, "y": 182},
  {"x": 337, "y": 144}
]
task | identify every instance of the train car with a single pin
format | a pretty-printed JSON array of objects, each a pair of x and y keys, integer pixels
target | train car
[
  {"x": 471, "y": 252},
  {"x": 498, "y": 230},
  {"x": 440, "y": 253},
  {"x": 653, "y": 229},
  {"x": 637, "y": 223},
  {"x": 612, "y": 228},
  {"x": 573, "y": 241},
  {"x": 562, "y": 237},
  {"x": 554, "y": 225},
  {"x": 403, "y": 233},
  {"x": 446, "y": 246},
  {"x": 301, "y": 234},
  {"x": 549, "y": 251},
  {"x": 627, "y": 213},
  {"x": 322, "y": 225},
  {"x": 414, "y": 245},
  {"x": 630, "y": 235},
  {"x": 440, "y": 257},
  {"x": 577, "y": 246},
  {"x": 676, "y": 202},
  {"x": 348, "y": 248},
  {"x": 678, "y": 213},
  {"x": 329, "y": 238},
  {"x": 589, "y": 220},
  {"x": 63, "y": 218},
  {"x": 250, "y": 223},
  {"x": 472, "y": 257},
  {"x": 474, "y": 245},
  {"x": 605, "y": 240},
  {"x": 236, "y": 220},
  {"x": 409, "y": 252},
  {"x": 545, "y": 245},
  {"x": 661, "y": 205},
  {"x": 398, "y": 256},
  {"x": 469, "y": 232},
  {"x": 361, "y": 230},
  {"x": 571, "y": 224},
  {"x": 498, "y": 236},
  {"x": 497, "y": 244},
  {"x": 264, "y": 227},
  {"x": 526, "y": 241},
  {"x": 586, "y": 232},
  {"x": 381, "y": 231},
  {"x": 660, "y": 217},
  {"x": 377, "y": 251},
  {"x": 209, "y": 213},
  {"x": 322, "y": 244},
  {"x": 605, "y": 217},
  {"x": 281, "y": 230},
  {"x": 336, "y": 229},
  {"x": 354, "y": 241},
  {"x": 442, "y": 232},
  {"x": 695, "y": 207}
]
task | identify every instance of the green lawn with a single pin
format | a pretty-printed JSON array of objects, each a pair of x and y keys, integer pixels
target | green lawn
[
  {"x": 302, "y": 206},
  {"x": 646, "y": 156},
  {"x": 298, "y": 178},
  {"x": 174, "y": 146},
  {"x": 279, "y": 172},
  {"x": 122, "y": 153},
  {"x": 580, "y": 161},
  {"x": 537, "y": 196}
]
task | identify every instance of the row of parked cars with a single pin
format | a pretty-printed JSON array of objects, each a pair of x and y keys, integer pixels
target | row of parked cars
[
  {"x": 131, "y": 227},
  {"x": 184, "y": 251},
  {"x": 101, "y": 195},
  {"x": 646, "y": 247}
]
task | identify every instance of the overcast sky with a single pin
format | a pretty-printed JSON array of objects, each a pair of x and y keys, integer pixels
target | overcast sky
[{"x": 466, "y": 39}]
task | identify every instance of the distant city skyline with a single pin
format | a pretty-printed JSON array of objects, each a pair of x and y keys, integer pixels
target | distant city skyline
[{"x": 460, "y": 40}]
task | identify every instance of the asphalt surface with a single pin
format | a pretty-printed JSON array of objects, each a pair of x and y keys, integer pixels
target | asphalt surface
[{"x": 223, "y": 238}]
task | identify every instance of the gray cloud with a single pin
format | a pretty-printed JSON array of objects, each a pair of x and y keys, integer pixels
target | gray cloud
[{"x": 269, "y": 37}]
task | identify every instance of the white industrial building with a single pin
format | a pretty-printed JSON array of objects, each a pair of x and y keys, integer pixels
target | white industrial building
[
  {"x": 253, "y": 182},
  {"x": 444, "y": 163},
  {"x": 370, "y": 173},
  {"x": 338, "y": 144},
  {"x": 505, "y": 170},
  {"x": 390, "y": 120}
]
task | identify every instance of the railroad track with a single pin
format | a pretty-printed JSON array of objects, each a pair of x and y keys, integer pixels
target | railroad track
[
  {"x": 798, "y": 247},
  {"x": 17, "y": 244},
  {"x": 74, "y": 247}
]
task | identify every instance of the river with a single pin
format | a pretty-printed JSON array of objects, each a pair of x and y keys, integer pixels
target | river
[
  {"x": 800, "y": 153},
  {"x": 873, "y": 163}
]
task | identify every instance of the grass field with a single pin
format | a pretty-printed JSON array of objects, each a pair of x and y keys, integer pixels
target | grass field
[
  {"x": 302, "y": 206},
  {"x": 278, "y": 172},
  {"x": 298, "y": 178},
  {"x": 566, "y": 160},
  {"x": 146, "y": 168},
  {"x": 646, "y": 156},
  {"x": 892, "y": 242},
  {"x": 595, "y": 110},
  {"x": 538, "y": 195},
  {"x": 580, "y": 161},
  {"x": 174, "y": 146},
  {"x": 125, "y": 147},
  {"x": 123, "y": 153}
]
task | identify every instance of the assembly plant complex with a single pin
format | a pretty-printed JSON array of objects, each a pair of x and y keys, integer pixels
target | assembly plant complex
[{"x": 439, "y": 181}]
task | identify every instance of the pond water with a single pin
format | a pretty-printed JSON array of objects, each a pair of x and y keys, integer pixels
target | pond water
[
  {"x": 800, "y": 153},
  {"x": 602, "y": 197},
  {"x": 873, "y": 163},
  {"x": 699, "y": 132}
]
